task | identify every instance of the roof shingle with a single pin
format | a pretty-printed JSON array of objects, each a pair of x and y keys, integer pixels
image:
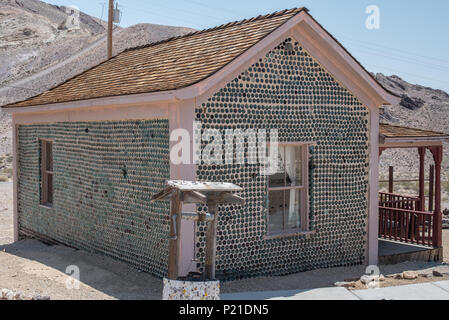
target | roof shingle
[{"x": 391, "y": 131}]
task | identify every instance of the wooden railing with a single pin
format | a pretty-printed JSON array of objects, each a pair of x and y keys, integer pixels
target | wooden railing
[
  {"x": 406, "y": 225},
  {"x": 391, "y": 200}
]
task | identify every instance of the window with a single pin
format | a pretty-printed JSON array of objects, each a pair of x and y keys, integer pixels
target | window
[
  {"x": 46, "y": 148},
  {"x": 288, "y": 190}
]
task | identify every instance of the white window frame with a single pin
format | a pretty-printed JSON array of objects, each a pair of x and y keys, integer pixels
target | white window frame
[{"x": 304, "y": 213}]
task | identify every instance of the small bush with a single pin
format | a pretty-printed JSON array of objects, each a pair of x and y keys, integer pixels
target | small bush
[{"x": 3, "y": 178}]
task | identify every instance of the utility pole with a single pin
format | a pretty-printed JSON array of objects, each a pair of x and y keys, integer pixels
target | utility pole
[{"x": 110, "y": 24}]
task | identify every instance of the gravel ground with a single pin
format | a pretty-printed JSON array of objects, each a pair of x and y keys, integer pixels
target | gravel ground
[
  {"x": 33, "y": 268},
  {"x": 6, "y": 231}
]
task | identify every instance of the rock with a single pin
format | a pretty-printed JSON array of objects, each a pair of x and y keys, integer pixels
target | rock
[
  {"x": 366, "y": 279},
  {"x": 437, "y": 273},
  {"x": 398, "y": 276},
  {"x": 409, "y": 275},
  {"x": 425, "y": 275},
  {"x": 6, "y": 294},
  {"x": 382, "y": 277},
  {"x": 411, "y": 103},
  {"x": 41, "y": 298},
  {"x": 345, "y": 284}
]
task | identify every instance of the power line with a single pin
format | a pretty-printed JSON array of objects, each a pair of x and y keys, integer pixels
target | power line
[
  {"x": 404, "y": 72},
  {"x": 162, "y": 15},
  {"x": 394, "y": 49},
  {"x": 403, "y": 59},
  {"x": 211, "y": 7},
  {"x": 185, "y": 11}
]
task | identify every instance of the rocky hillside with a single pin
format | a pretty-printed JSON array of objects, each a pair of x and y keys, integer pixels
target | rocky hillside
[
  {"x": 420, "y": 107},
  {"x": 40, "y": 47}
]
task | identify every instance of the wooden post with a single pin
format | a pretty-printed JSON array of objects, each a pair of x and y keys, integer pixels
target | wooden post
[
  {"x": 438, "y": 215},
  {"x": 173, "y": 246},
  {"x": 211, "y": 236},
  {"x": 422, "y": 197},
  {"x": 431, "y": 186},
  {"x": 390, "y": 179},
  {"x": 110, "y": 25}
]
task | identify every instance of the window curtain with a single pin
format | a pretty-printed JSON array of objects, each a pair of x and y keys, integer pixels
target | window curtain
[{"x": 288, "y": 157}]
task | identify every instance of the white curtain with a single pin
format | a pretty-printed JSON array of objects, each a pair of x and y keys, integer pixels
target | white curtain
[{"x": 289, "y": 158}]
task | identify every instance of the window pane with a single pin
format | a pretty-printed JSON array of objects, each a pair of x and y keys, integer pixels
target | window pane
[
  {"x": 50, "y": 189},
  {"x": 277, "y": 179},
  {"x": 293, "y": 209},
  {"x": 49, "y": 149},
  {"x": 275, "y": 211},
  {"x": 293, "y": 165}
]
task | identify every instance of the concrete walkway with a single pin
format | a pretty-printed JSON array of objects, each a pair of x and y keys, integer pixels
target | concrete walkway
[{"x": 420, "y": 291}]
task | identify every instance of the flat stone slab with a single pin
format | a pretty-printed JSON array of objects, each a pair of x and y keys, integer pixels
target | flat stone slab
[
  {"x": 312, "y": 294},
  {"x": 419, "y": 291}
]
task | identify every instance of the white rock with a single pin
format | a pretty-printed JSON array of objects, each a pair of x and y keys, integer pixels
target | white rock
[
  {"x": 365, "y": 279},
  {"x": 410, "y": 275},
  {"x": 344, "y": 284}
]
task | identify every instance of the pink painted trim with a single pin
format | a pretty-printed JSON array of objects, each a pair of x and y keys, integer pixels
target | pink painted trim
[
  {"x": 373, "y": 209},
  {"x": 15, "y": 184}
]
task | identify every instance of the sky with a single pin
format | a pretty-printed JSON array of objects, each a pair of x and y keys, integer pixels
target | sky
[{"x": 411, "y": 41}]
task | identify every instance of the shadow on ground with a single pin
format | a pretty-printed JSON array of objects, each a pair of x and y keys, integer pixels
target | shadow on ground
[{"x": 30, "y": 265}]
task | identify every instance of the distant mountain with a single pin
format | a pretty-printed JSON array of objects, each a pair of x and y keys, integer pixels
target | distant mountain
[
  {"x": 420, "y": 107},
  {"x": 39, "y": 48}
]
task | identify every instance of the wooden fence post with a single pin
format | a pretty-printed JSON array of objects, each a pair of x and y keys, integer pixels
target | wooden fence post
[
  {"x": 431, "y": 186},
  {"x": 438, "y": 217},
  {"x": 422, "y": 197}
]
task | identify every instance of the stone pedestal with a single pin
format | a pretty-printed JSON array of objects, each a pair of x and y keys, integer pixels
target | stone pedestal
[{"x": 191, "y": 290}]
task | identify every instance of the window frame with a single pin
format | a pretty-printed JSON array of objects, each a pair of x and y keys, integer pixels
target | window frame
[
  {"x": 45, "y": 173},
  {"x": 304, "y": 213}
]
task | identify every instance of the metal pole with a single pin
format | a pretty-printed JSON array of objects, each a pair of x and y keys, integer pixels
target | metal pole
[{"x": 110, "y": 25}]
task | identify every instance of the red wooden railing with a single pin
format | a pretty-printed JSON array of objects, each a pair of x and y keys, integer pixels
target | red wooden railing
[
  {"x": 391, "y": 200},
  {"x": 406, "y": 225}
]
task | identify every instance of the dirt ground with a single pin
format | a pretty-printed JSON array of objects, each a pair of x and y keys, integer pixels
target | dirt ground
[
  {"x": 33, "y": 268},
  {"x": 6, "y": 231}
]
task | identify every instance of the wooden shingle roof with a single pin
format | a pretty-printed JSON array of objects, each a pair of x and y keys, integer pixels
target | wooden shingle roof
[
  {"x": 167, "y": 65},
  {"x": 392, "y": 131}
]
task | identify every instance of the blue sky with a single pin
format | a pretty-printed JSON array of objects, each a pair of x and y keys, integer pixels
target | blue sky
[{"x": 412, "y": 42}]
